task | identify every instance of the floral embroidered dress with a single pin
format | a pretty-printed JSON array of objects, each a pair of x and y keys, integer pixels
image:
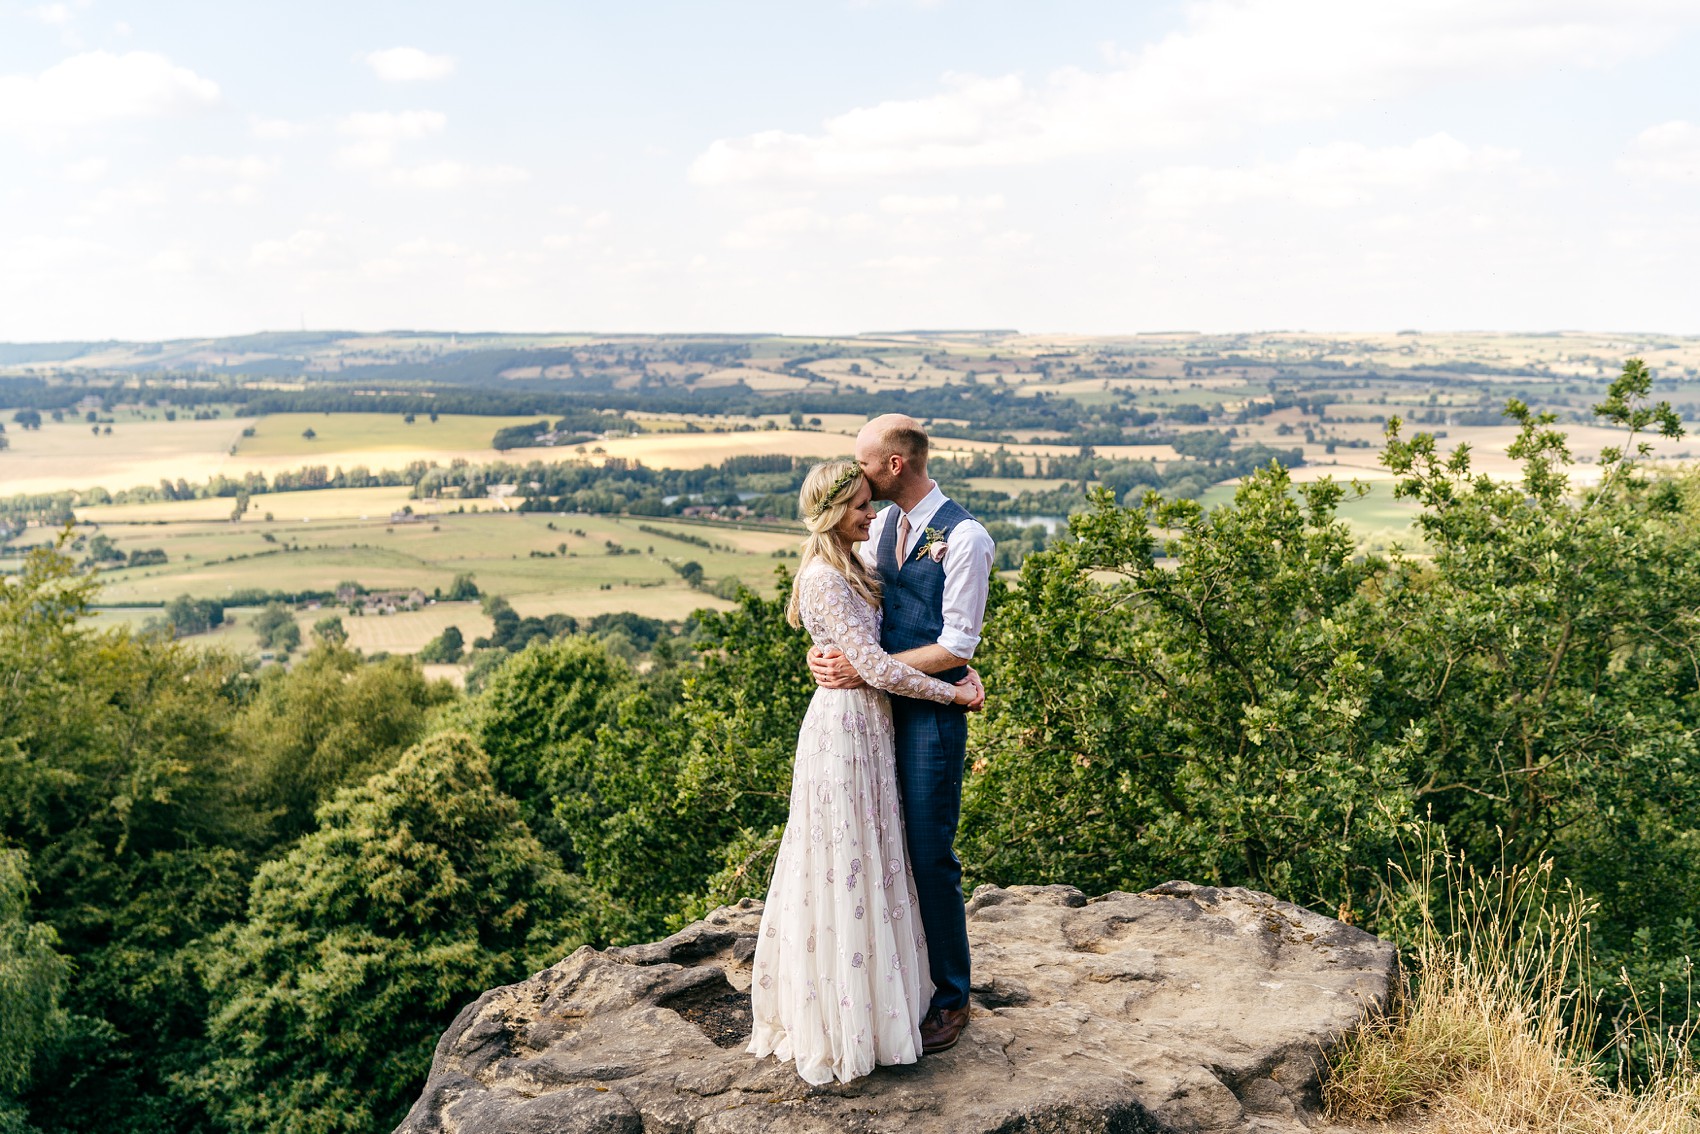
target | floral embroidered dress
[{"x": 840, "y": 978}]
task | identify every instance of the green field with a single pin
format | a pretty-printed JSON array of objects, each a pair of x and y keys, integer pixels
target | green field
[
  {"x": 574, "y": 571},
  {"x": 1376, "y": 517},
  {"x": 367, "y": 436}
]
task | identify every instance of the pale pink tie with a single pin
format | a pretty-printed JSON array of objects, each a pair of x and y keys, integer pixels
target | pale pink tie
[{"x": 902, "y": 539}]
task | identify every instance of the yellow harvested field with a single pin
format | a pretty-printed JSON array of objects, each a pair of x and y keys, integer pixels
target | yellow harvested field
[
  {"x": 762, "y": 543},
  {"x": 454, "y": 674},
  {"x": 1138, "y": 452},
  {"x": 67, "y": 456},
  {"x": 1342, "y": 469},
  {"x": 754, "y": 379},
  {"x": 1015, "y": 486},
  {"x": 848, "y": 424},
  {"x": 406, "y": 632},
  {"x": 693, "y": 450},
  {"x": 670, "y": 603},
  {"x": 327, "y": 504}
]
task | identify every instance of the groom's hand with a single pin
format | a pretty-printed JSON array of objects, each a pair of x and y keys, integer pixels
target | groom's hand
[{"x": 832, "y": 670}]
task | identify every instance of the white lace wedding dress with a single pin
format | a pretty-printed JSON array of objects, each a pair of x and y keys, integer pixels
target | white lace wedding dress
[{"x": 840, "y": 979}]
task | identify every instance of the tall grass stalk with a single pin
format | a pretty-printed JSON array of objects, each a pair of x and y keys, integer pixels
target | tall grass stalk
[{"x": 1495, "y": 1028}]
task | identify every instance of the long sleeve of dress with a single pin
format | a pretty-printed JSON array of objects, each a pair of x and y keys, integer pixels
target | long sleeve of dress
[{"x": 838, "y": 616}]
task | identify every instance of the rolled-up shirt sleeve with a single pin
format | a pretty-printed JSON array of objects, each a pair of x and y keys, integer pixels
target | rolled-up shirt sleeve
[{"x": 967, "y": 578}]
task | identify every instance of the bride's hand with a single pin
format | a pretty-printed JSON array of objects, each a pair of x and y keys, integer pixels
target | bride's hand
[{"x": 971, "y": 692}]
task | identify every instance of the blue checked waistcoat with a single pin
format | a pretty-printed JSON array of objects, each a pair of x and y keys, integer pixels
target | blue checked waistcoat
[{"x": 914, "y": 596}]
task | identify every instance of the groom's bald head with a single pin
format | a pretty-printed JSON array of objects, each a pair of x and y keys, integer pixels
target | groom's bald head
[
  {"x": 896, "y": 434},
  {"x": 892, "y": 450}
]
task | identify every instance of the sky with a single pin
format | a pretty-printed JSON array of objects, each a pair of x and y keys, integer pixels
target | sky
[{"x": 172, "y": 169}]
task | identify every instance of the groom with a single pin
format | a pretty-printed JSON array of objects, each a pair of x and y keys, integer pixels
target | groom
[{"x": 934, "y": 561}]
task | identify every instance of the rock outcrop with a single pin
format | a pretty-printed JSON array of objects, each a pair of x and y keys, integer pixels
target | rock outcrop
[{"x": 1185, "y": 1008}]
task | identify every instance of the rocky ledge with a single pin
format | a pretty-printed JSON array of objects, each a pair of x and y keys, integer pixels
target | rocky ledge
[{"x": 1185, "y": 1008}]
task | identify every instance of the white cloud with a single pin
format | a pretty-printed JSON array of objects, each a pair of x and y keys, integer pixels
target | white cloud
[
  {"x": 250, "y": 167},
  {"x": 87, "y": 169},
  {"x": 1008, "y": 240},
  {"x": 783, "y": 227},
  {"x": 1669, "y": 151},
  {"x": 97, "y": 87},
  {"x": 393, "y": 125},
  {"x": 457, "y": 175},
  {"x": 904, "y": 265},
  {"x": 303, "y": 248},
  {"x": 377, "y": 132},
  {"x": 1331, "y": 176},
  {"x": 175, "y": 261},
  {"x": 54, "y": 14},
  {"x": 229, "y": 180},
  {"x": 275, "y": 129},
  {"x": 1236, "y": 64},
  {"x": 128, "y": 200},
  {"x": 409, "y": 65},
  {"x": 906, "y": 203},
  {"x": 909, "y": 204},
  {"x": 425, "y": 247}
]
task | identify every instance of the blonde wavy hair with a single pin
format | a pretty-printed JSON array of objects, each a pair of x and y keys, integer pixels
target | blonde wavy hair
[{"x": 822, "y": 510}]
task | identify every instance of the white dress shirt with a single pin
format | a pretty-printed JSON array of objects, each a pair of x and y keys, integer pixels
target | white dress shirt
[{"x": 967, "y": 568}]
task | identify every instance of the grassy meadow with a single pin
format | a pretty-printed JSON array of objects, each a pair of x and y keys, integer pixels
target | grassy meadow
[
  {"x": 363, "y": 438},
  {"x": 542, "y": 562}
]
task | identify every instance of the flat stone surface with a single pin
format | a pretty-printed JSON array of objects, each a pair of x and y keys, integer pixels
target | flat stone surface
[{"x": 1184, "y": 1008}]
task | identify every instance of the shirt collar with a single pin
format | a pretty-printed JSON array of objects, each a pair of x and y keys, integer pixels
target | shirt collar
[{"x": 922, "y": 513}]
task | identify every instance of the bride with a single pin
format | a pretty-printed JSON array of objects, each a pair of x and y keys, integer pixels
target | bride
[{"x": 841, "y": 979}]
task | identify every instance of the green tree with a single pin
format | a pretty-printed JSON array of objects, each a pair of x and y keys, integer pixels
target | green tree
[
  {"x": 330, "y": 631},
  {"x": 1544, "y": 654},
  {"x": 538, "y": 718},
  {"x": 276, "y": 628},
  {"x": 102, "y": 550},
  {"x": 328, "y": 721},
  {"x": 419, "y": 889},
  {"x": 116, "y": 779},
  {"x": 32, "y": 976},
  {"x": 185, "y": 615},
  {"x": 1210, "y": 716},
  {"x": 688, "y": 784},
  {"x": 444, "y": 648},
  {"x": 464, "y": 589}
]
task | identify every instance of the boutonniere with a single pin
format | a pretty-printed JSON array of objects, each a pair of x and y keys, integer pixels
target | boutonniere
[{"x": 932, "y": 546}]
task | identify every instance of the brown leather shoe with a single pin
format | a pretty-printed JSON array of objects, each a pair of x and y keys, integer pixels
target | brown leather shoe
[{"x": 942, "y": 1028}]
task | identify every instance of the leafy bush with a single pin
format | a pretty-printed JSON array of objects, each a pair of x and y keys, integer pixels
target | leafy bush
[{"x": 1212, "y": 719}]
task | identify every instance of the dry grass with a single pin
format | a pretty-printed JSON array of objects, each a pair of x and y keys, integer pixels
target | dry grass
[{"x": 1493, "y": 1033}]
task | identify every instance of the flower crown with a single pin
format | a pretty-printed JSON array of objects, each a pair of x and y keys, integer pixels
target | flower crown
[{"x": 844, "y": 478}]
